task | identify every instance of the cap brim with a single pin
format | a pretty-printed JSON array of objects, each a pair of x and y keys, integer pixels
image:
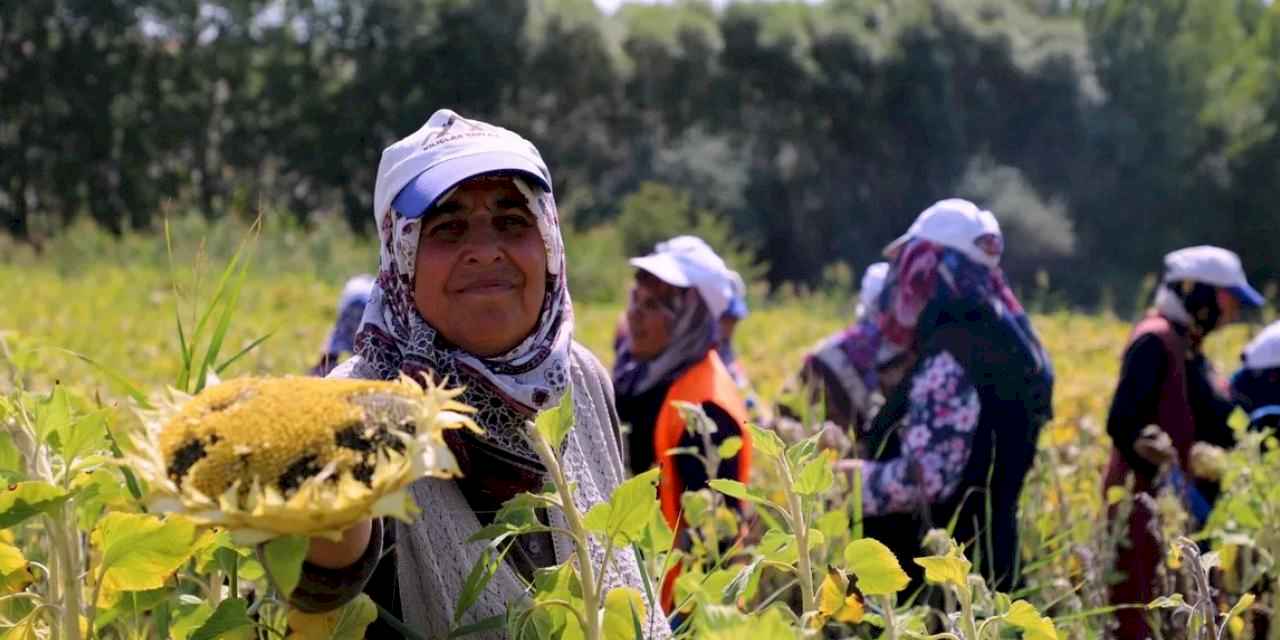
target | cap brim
[
  {"x": 662, "y": 267},
  {"x": 737, "y": 309},
  {"x": 1248, "y": 296},
  {"x": 891, "y": 250},
  {"x": 422, "y": 192}
]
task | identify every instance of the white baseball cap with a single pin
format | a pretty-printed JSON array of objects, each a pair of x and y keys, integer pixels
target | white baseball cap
[
  {"x": 872, "y": 284},
  {"x": 688, "y": 261},
  {"x": 1213, "y": 266},
  {"x": 1263, "y": 352},
  {"x": 416, "y": 170},
  {"x": 357, "y": 289},
  {"x": 958, "y": 224}
]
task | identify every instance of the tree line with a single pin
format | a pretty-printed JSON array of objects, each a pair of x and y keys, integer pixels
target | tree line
[{"x": 1102, "y": 133}]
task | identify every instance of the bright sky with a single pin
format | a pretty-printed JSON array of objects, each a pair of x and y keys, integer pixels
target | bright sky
[{"x": 609, "y": 6}]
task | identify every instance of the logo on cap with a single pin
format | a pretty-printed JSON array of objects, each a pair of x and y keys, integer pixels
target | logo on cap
[{"x": 446, "y": 134}]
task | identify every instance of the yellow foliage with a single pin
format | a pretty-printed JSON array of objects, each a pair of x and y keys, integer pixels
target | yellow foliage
[
  {"x": 833, "y": 604},
  {"x": 1236, "y": 627},
  {"x": 347, "y": 622},
  {"x": 1116, "y": 494},
  {"x": 1061, "y": 433},
  {"x": 1033, "y": 625},
  {"x": 1174, "y": 559},
  {"x": 950, "y": 569},
  {"x": 14, "y": 574}
]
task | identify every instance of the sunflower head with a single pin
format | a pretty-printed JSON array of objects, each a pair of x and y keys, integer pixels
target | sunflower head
[{"x": 284, "y": 456}]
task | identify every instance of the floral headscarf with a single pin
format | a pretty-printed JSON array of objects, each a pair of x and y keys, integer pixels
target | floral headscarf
[
  {"x": 857, "y": 345},
  {"x": 693, "y": 333},
  {"x": 508, "y": 389},
  {"x": 924, "y": 272}
]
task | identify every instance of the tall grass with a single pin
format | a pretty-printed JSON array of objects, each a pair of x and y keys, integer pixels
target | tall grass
[{"x": 111, "y": 298}]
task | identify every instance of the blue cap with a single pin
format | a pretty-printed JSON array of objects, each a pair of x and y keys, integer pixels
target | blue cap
[
  {"x": 737, "y": 308},
  {"x": 1247, "y": 295},
  {"x": 417, "y": 170},
  {"x": 418, "y": 196},
  {"x": 1212, "y": 266}
]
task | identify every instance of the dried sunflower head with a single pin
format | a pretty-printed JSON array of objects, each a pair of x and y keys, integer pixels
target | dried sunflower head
[{"x": 265, "y": 457}]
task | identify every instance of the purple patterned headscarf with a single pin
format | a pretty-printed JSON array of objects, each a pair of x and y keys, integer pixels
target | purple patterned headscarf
[
  {"x": 507, "y": 390},
  {"x": 859, "y": 345}
]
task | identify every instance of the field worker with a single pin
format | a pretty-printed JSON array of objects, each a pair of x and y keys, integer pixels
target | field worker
[
  {"x": 1168, "y": 399},
  {"x": 668, "y": 354},
  {"x": 355, "y": 295},
  {"x": 840, "y": 372},
  {"x": 968, "y": 387},
  {"x": 471, "y": 288},
  {"x": 1255, "y": 388},
  {"x": 729, "y": 321},
  {"x": 735, "y": 313}
]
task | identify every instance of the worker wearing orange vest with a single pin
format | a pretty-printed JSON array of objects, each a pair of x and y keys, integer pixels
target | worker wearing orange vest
[{"x": 666, "y": 354}]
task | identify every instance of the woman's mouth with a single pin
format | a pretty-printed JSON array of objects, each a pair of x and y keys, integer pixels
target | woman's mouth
[{"x": 488, "y": 287}]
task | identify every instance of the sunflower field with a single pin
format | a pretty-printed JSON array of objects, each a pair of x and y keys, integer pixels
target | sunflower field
[{"x": 94, "y": 328}]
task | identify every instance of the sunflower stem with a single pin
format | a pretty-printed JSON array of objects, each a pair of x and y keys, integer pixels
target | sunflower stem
[
  {"x": 215, "y": 588},
  {"x": 65, "y": 559},
  {"x": 235, "y": 577},
  {"x": 968, "y": 625},
  {"x": 890, "y": 620},
  {"x": 65, "y": 539},
  {"x": 586, "y": 573},
  {"x": 801, "y": 530}
]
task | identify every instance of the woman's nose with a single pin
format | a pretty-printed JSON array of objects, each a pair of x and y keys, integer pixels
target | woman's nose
[
  {"x": 483, "y": 245},
  {"x": 633, "y": 313}
]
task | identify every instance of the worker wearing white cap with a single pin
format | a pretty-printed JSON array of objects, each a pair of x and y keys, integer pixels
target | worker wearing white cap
[
  {"x": 1256, "y": 386},
  {"x": 1169, "y": 406},
  {"x": 666, "y": 357},
  {"x": 735, "y": 313},
  {"x": 342, "y": 338},
  {"x": 716, "y": 275},
  {"x": 967, "y": 387},
  {"x": 959, "y": 224}
]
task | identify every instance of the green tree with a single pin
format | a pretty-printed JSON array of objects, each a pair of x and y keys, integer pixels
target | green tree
[{"x": 656, "y": 212}]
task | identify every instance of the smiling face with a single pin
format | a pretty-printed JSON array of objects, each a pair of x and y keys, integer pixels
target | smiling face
[{"x": 481, "y": 271}]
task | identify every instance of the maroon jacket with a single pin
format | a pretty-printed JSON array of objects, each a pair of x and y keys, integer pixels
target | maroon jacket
[{"x": 1174, "y": 414}]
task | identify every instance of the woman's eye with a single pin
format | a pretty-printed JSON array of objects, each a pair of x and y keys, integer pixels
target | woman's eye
[
  {"x": 448, "y": 230},
  {"x": 654, "y": 305},
  {"x": 512, "y": 222}
]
